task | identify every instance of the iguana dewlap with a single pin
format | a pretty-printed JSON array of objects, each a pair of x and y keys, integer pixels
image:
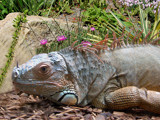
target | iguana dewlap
[{"x": 129, "y": 77}]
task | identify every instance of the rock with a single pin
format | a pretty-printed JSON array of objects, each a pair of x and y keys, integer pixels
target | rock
[
  {"x": 6, "y": 31},
  {"x": 36, "y": 29},
  {"x": 100, "y": 117},
  {"x": 88, "y": 117},
  {"x": 155, "y": 118},
  {"x": 119, "y": 113}
]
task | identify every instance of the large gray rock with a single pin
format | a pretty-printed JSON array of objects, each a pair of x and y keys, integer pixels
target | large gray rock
[
  {"x": 36, "y": 29},
  {"x": 6, "y": 32}
]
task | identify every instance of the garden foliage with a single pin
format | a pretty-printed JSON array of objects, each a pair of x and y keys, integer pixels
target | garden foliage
[{"x": 44, "y": 7}]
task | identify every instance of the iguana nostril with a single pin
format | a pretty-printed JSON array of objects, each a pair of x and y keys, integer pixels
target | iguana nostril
[{"x": 15, "y": 74}]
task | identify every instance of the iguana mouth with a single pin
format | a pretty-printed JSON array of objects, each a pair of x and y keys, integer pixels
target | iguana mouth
[
  {"x": 37, "y": 83},
  {"x": 68, "y": 98}
]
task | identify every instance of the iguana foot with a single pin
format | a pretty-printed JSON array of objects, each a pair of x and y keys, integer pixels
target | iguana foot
[{"x": 131, "y": 96}]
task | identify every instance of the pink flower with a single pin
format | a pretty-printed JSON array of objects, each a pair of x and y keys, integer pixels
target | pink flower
[
  {"x": 61, "y": 38},
  {"x": 86, "y": 43},
  {"x": 92, "y": 28},
  {"x": 43, "y": 42}
]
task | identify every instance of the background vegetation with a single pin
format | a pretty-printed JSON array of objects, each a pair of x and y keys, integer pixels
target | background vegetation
[
  {"x": 135, "y": 16},
  {"x": 139, "y": 19},
  {"x": 139, "y": 16}
]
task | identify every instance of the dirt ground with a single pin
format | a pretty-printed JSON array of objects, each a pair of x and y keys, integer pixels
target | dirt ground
[{"x": 24, "y": 107}]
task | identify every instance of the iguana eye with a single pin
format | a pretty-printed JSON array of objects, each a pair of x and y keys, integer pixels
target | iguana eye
[{"x": 44, "y": 69}]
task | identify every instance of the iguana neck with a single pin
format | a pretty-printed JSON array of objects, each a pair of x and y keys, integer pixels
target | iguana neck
[{"x": 88, "y": 73}]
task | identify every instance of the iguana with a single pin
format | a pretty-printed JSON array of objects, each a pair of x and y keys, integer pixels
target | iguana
[{"x": 119, "y": 77}]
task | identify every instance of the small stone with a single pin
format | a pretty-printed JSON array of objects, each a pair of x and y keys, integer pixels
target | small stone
[
  {"x": 97, "y": 110},
  {"x": 100, "y": 117},
  {"x": 108, "y": 114},
  {"x": 24, "y": 95},
  {"x": 155, "y": 118},
  {"x": 88, "y": 117},
  {"x": 118, "y": 113}
]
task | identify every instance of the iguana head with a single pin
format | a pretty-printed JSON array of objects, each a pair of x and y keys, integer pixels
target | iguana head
[{"x": 46, "y": 75}]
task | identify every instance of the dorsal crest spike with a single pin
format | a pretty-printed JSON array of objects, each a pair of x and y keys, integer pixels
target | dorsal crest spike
[
  {"x": 73, "y": 44},
  {"x": 144, "y": 41},
  {"x": 154, "y": 36},
  {"x": 17, "y": 65},
  {"x": 155, "y": 41},
  {"x": 117, "y": 42}
]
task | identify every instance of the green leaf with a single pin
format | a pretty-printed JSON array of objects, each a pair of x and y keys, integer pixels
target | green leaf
[
  {"x": 4, "y": 11},
  {"x": 156, "y": 26},
  {"x": 128, "y": 24},
  {"x": 68, "y": 10},
  {"x": 121, "y": 23},
  {"x": 144, "y": 23}
]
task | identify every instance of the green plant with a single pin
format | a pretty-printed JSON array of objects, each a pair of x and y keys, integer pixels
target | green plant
[
  {"x": 63, "y": 6},
  {"x": 103, "y": 21},
  {"x": 75, "y": 33},
  {"x": 94, "y": 16},
  {"x": 84, "y": 4},
  {"x": 17, "y": 25},
  {"x": 33, "y": 6},
  {"x": 5, "y": 8},
  {"x": 71, "y": 36},
  {"x": 156, "y": 25},
  {"x": 144, "y": 25},
  {"x": 45, "y": 7}
]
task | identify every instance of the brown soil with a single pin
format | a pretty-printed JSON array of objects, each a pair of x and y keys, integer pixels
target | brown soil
[{"x": 22, "y": 107}]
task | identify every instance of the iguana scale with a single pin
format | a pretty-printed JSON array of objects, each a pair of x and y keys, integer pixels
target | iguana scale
[{"x": 119, "y": 78}]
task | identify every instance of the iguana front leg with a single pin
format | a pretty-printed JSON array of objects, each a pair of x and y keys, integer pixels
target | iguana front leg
[{"x": 131, "y": 96}]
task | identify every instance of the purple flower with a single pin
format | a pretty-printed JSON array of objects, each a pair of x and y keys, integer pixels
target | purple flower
[
  {"x": 86, "y": 43},
  {"x": 92, "y": 28},
  {"x": 145, "y": 3},
  {"x": 61, "y": 38},
  {"x": 43, "y": 42}
]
